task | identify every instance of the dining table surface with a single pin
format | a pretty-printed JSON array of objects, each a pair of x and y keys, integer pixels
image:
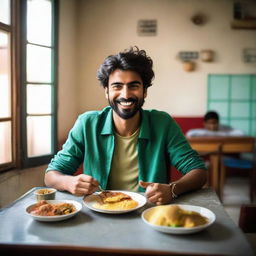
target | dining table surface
[{"x": 117, "y": 234}]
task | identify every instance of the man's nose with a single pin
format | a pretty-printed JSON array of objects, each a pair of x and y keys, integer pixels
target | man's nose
[{"x": 125, "y": 92}]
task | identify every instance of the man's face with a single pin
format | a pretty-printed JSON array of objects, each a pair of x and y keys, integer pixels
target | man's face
[
  {"x": 125, "y": 93},
  {"x": 211, "y": 124}
]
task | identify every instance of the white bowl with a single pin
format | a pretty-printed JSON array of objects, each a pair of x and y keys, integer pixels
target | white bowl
[
  {"x": 180, "y": 230},
  {"x": 45, "y": 194}
]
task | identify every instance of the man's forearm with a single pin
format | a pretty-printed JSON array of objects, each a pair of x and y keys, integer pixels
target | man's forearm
[
  {"x": 57, "y": 180},
  {"x": 193, "y": 180}
]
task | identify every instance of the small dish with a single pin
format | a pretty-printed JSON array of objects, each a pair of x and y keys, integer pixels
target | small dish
[
  {"x": 180, "y": 230},
  {"x": 90, "y": 200},
  {"x": 45, "y": 194},
  {"x": 77, "y": 205}
]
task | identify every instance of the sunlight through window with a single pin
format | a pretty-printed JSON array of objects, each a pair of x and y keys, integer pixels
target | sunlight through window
[{"x": 39, "y": 78}]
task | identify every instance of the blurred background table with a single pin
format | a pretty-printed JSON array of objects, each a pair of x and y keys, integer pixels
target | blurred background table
[{"x": 215, "y": 148}]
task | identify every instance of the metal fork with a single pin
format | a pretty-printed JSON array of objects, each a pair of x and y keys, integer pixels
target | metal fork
[{"x": 101, "y": 189}]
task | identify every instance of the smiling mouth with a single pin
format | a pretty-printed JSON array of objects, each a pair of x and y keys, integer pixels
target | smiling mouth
[{"x": 126, "y": 103}]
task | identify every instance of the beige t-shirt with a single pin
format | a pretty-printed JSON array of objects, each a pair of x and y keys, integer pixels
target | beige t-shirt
[{"x": 124, "y": 171}]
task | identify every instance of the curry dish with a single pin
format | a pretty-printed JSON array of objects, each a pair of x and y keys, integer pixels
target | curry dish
[
  {"x": 115, "y": 201},
  {"x": 43, "y": 208},
  {"x": 174, "y": 216},
  {"x": 44, "y": 191}
]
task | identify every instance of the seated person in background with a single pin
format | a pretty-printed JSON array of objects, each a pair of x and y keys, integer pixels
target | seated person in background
[{"x": 213, "y": 128}]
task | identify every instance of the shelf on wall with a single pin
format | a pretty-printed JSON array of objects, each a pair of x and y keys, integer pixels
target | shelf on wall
[{"x": 244, "y": 24}]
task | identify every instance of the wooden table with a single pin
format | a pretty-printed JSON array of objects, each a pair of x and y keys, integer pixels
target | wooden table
[
  {"x": 215, "y": 148},
  {"x": 92, "y": 233}
]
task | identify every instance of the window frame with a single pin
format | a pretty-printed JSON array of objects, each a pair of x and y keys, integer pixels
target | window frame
[{"x": 17, "y": 30}]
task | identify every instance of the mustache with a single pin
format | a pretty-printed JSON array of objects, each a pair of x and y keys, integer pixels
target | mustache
[{"x": 126, "y": 100}]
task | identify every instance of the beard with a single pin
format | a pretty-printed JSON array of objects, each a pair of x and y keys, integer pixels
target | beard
[{"x": 126, "y": 113}]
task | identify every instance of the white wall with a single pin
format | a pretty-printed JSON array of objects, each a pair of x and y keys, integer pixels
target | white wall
[
  {"x": 68, "y": 83},
  {"x": 109, "y": 26}
]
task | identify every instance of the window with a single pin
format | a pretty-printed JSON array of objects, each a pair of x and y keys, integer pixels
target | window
[
  {"x": 234, "y": 98},
  {"x": 28, "y": 82}
]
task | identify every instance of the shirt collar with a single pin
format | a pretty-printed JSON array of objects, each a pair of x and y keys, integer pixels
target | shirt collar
[
  {"x": 108, "y": 128},
  {"x": 108, "y": 124},
  {"x": 144, "y": 126}
]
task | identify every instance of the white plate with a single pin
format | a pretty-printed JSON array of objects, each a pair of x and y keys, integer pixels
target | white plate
[
  {"x": 179, "y": 230},
  {"x": 58, "y": 217},
  {"x": 90, "y": 200}
]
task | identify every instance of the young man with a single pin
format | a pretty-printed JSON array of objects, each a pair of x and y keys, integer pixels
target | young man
[
  {"x": 123, "y": 146},
  {"x": 212, "y": 127}
]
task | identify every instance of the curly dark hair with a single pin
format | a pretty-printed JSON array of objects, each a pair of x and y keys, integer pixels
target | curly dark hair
[
  {"x": 211, "y": 115},
  {"x": 132, "y": 59}
]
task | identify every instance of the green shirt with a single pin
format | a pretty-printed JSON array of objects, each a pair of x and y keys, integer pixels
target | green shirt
[{"x": 160, "y": 144}]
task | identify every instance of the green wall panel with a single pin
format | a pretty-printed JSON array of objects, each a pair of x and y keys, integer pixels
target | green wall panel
[
  {"x": 243, "y": 125},
  {"x": 240, "y": 109},
  {"x": 253, "y": 127},
  {"x": 253, "y": 84},
  {"x": 219, "y": 87},
  {"x": 240, "y": 87},
  {"x": 234, "y": 98}
]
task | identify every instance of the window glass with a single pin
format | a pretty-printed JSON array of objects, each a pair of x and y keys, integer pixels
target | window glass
[
  {"x": 5, "y": 142},
  {"x": 240, "y": 87},
  {"x": 5, "y": 86},
  {"x": 39, "y": 22},
  {"x": 38, "y": 64},
  {"x": 38, "y": 99},
  {"x": 39, "y": 135},
  {"x": 219, "y": 87},
  {"x": 5, "y": 10}
]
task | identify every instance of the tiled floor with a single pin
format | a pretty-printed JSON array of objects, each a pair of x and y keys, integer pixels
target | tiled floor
[{"x": 236, "y": 193}]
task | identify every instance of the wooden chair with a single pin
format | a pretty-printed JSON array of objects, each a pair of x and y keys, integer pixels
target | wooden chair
[
  {"x": 247, "y": 222},
  {"x": 210, "y": 151},
  {"x": 238, "y": 145},
  {"x": 247, "y": 218}
]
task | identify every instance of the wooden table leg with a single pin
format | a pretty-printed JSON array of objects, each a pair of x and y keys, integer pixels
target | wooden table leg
[{"x": 214, "y": 175}]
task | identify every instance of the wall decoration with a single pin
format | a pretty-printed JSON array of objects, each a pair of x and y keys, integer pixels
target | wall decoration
[
  {"x": 186, "y": 55},
  {"x": 188, "y": 66},
  {"x": 198, "y": 19},
  {"x": 188, "y": 58},
  {"x": 249, "y": 55},
  {"x": 207, "y": 55},
  {"x": 147, "y": 27}
]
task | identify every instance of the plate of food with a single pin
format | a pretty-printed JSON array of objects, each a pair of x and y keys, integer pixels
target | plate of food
[
  {"x": 53, "y": 210},
  {"x": 114, "y": 201},
  {"x": 178, "y": 218}
]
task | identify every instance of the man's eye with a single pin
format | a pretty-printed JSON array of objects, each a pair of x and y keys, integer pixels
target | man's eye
[
  {"x": 116, "y": 86},
  {"x": 134, "y": 86}
]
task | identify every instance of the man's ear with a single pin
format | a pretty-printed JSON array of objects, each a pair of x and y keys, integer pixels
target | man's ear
[{"x": 106, "y": 92}]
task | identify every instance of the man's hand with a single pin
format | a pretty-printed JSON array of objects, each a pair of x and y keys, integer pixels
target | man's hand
[
  {"x": 157, "y": 193},
  {"x": 82, "y": 185}
]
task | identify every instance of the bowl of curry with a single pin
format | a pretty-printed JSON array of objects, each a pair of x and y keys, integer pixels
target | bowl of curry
[
  {"x": 45, "y": 194},
  {"x": 178, "y": 218}
]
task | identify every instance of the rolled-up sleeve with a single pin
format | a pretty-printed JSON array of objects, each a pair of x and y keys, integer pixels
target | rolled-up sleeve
[{"x": 71, "y": 156}]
